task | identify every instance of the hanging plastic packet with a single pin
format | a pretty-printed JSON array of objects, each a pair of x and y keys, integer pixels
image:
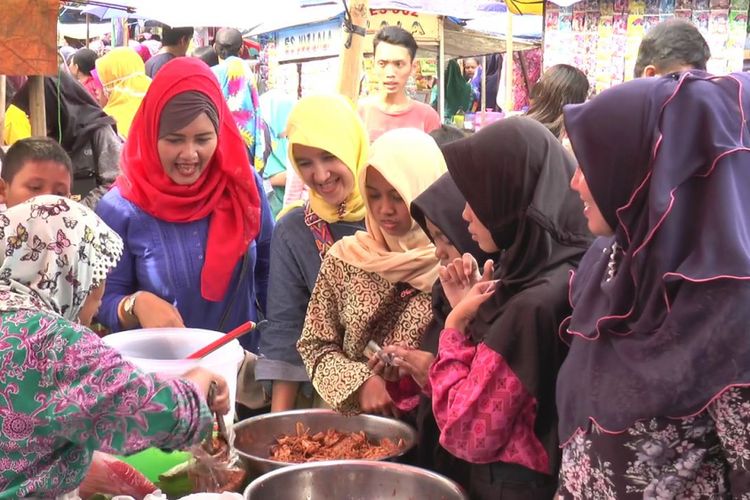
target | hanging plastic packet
[{"x": 216, "y": 466}]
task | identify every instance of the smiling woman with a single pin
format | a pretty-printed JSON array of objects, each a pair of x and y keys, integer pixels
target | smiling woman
[
  {"x": 374, "y": 285},
  {"x": 327, "y": 155},
  {"x": 195, "y": 221},
  {"x": 185, "y": 150}
]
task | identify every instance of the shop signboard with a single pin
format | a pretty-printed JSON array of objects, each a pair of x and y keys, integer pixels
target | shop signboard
[
  {"x": 309, "y": 41},
  {"x": 424, "y": 27}
]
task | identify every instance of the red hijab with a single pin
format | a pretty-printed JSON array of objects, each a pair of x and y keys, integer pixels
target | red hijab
[{"x": 226, "y": 189}]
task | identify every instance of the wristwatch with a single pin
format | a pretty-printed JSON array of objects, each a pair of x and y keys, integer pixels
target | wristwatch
[{"x": 129, "y": 304}]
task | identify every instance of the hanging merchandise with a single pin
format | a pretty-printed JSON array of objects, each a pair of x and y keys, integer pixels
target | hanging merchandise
[{"x": 606, "y": 34}]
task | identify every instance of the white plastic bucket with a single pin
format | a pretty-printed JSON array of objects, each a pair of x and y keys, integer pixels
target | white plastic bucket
[{"x": 163, "y": 350}]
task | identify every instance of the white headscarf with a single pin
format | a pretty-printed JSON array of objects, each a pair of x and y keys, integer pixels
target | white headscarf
[{"x": 53, "y": 251}]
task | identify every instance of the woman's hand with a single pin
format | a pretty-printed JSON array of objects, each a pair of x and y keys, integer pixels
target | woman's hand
[
  {"x": 465, "y": 311},
  {"x": 388, "y": 371},
  {"x": 203, "y": 379},
  {"x": 374, "y": 398},
  {"x": 460, "y": 275},
  {"x": 413, "y": 362},
  {"x": 154, "y": 312}
]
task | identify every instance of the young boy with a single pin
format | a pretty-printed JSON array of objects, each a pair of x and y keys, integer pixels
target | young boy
[
  {"x": 32, "y": 167},
  {"x": 395, "y": 50}
]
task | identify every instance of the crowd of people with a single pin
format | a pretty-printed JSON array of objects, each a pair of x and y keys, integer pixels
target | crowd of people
[{"x": 558, "y": 297}]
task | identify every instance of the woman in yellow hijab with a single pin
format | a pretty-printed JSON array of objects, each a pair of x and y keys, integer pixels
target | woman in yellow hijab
[
  {"x": 123, "y": 76},
  {"x": 328, "y": 147},
  {"x": 376, "y": 284}
]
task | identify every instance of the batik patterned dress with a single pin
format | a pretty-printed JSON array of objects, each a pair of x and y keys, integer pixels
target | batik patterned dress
[{"x": 341, "y": 320}]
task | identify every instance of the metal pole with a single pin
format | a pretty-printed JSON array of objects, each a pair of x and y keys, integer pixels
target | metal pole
[
  {"x": 441, "y": 69},
  {"x": 508, "y": 63},
  {"x": 88, "y": 33},
  {"x": 484, "y": 84}
]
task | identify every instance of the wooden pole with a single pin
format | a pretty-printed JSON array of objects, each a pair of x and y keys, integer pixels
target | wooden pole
[
  {"x": 351, "y": 58},
  {"x": 508, "y": 63},
  {"x": 88, "y": 32},
  {"x": 2, "y": 109},
  {"x": 38, "y": 116},
  {"x": 441, "y": 68}
]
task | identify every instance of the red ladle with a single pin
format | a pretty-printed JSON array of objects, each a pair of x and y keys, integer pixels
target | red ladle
[{"x": 218, "y": 343}]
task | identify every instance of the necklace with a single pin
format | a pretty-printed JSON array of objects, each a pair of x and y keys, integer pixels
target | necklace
[{"x": 612, "y": 264}]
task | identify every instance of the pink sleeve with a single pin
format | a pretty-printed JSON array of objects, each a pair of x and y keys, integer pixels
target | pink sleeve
[
  {"x": 404, "y": 393},
  {"x": 476, "y": 399}
]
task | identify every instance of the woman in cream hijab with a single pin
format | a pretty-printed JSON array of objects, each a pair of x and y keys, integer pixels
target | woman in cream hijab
[
  {"x": 328, "y": 156},
  {"x": 376, "y": 284}
]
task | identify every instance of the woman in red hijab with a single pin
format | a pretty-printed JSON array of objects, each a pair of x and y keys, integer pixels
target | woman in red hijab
[{"x": 193, "y": 215}]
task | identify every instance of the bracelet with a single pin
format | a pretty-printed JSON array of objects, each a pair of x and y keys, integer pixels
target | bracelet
[
  {"x": 354, "y": 29},
  {"x": 350, "y": 27}
]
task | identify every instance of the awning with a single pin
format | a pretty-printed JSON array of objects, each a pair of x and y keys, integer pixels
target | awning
[{"x": 78, "y": 31}]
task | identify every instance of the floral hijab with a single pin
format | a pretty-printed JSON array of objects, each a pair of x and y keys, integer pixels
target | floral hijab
[{"x": 53, "y": 251}]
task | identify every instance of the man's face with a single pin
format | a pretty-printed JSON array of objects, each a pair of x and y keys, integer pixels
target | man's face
[{"x": 393, "y": 65}]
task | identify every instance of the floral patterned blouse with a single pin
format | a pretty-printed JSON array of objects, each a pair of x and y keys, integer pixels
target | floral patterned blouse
[
  {"x": 706, "y": 456},
  {"x": 348, "y": 308},
  {"x": 64, "y": 394}
]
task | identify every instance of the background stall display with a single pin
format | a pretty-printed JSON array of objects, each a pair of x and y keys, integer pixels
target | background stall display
[
  {"x": 286, "y": 78},
  {"x": 605, "y": 34},
  {"x": 319, "y": 77}
]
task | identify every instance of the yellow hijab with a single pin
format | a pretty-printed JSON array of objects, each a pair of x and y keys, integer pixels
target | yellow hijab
[
  {"x": 410, "y": 161},
  {"x": 329, "y": 122},
  {"x": 123, "y": 76}
]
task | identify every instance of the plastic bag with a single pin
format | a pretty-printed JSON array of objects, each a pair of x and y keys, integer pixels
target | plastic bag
[
  {"x": 111, "y": 476},
  {"x": 216, "y": 466}
]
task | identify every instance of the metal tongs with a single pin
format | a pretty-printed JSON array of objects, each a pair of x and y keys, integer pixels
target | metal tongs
[{"x": 212, "y": 389}]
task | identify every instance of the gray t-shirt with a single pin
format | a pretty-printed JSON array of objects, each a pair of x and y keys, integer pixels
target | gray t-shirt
[{"x": 154, "y": 64}]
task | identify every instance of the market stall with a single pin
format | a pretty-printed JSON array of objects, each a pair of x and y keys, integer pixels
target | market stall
[
  {"x": 303, "y": 58},
  {"x": 601, "y": 37}
]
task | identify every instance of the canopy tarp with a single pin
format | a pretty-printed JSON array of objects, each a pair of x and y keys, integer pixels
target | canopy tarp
[
  {"x": 485, "y": 29},
  {"x": 218, "y": 13},
  {"x": 463, "y": 9},
  {"x": 78, "y": 30}
]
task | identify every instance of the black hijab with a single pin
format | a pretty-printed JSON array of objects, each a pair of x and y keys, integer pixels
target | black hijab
[
  {"x": 659, "y": 326},
  {"x": 515, "y": 175},
  {"x": 78, "y": 116},
  {"x": 442, "y": 203},
  {"x": 492, "y": 80}
]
